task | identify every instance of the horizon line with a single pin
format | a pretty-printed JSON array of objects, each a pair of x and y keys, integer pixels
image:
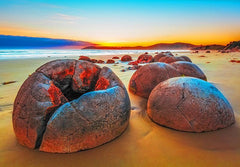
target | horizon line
[{"x": 116, "y": 44}]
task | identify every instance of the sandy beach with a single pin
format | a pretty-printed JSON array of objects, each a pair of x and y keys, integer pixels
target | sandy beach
[{"x": 144, "y": 143}]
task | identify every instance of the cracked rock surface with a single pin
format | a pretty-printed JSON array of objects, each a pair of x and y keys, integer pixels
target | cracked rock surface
[
  {"x": 70, "y": 105},
  {"x": 189, "y": 104},
  {"x": 147, "y": 77}
]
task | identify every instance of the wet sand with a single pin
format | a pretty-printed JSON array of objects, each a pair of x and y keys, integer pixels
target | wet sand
[{"x": 143, "y": 143}]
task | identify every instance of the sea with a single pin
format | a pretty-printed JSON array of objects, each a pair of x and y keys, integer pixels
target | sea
[{"x": 43, "y": 53}]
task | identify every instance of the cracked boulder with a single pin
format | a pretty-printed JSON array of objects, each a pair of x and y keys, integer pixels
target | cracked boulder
[
  {"x": 189, "y": 69},
  {"x": 189, "y": 104},
  {"x": 70, "y": 105},
  {"x": 147, "y": 77}
]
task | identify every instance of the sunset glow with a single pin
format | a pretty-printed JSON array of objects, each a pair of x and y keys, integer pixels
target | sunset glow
[{"x": 123, "y": 23}]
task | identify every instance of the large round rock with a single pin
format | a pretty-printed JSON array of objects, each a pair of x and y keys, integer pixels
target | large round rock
[
  {"x": 162, "y": 54},
  {"x": 186, "y": 58},
  {"x": 189, "y": 104},
  {"x": 170, "y": 59},
  {"x": 189, "y": 69},
  {"x": 70, "y": 105},
  {"x": 147, "y": 77}
]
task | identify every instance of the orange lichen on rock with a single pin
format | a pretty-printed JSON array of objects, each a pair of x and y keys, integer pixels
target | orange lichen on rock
[
  {"x": 86, "y": 75},
  {"x": 102, "y": 84},
  {"x": 67, "y": 72},
  {"x": 56, "y": 96}
]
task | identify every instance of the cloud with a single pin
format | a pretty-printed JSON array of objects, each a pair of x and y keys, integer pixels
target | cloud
[
  {"x": 48, "y": 5},
  {"x": 63, "y": 18}
]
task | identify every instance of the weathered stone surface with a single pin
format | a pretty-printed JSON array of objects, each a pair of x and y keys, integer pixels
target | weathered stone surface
[
  {"x": 189, "y": 104},
  {"x": 170, "y": 59},
  {"x": 61, "y": 73},
  {"x": 91, "y": 120},
  {"x": 147, "y": 77},
  {"x": 85, "y": 76},
  {"x": 145, "y": 58},
  {"x": 35, "y": 102},
  {"x": 189, "y": 69},
  {"x": 126, "y": 58},
  {"x": 186, "y": 58},
  {"x": 76, "y": 96},
  {"x": 162, "y": 54}
]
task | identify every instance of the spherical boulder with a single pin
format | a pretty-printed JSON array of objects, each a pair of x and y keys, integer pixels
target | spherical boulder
[
  {"x": 100, "y": 62},
  {"x": 147, "y": 77},
  {"x": 110, "y": 61},
  {"x": 94, "y": 60},
  {"x": 70, "y": 105},
  {"x": 162, "y": 54},
  {"x": 126, "y": 58},
  {"x": 170, "y": 59},
  {"x": 189, "y": 69},
  {"x": 145, "y": 58},
  {"x": 84, "y": 58},
  {"x": 189, "y": 104},
  {"x": 186, "y": 58}
]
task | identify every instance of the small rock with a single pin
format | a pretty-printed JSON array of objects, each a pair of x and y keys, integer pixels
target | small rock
[
  {"x": 84, "y": 58},
  {"x": 100, "y": 61},
  {"x": 145, "y": 58},
  {"x": 94, "y": 60},
  {"x": 110, "y": 61},
  {"x": 8, "y": 82},
  {"x": 126, "y": 58}
]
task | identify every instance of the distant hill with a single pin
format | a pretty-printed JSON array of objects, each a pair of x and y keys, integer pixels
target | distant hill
[
  {"x": 209, "y": 47},
  {"x": 235, "y": 45},
  {"x": 159, "y": 46},
  {"x": 24, "y": 42},
  {"x": 9, "y": 41},
  {"x": 172, "y": 46}
]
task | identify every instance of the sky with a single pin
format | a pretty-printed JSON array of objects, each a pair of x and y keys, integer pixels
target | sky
[{"x": 124, "y": 23}]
